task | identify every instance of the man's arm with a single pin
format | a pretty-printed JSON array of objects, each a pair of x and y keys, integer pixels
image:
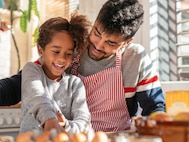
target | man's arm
[{"x": 10, "y": 90}]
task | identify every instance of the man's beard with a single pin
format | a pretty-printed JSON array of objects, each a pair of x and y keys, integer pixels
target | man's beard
[{"x": 91, "y": 46}]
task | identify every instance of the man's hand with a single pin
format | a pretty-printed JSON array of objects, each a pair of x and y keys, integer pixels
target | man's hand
[{"x": 53, "y": 123}]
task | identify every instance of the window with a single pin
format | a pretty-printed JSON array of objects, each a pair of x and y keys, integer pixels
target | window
[
  {"x": 183, "y": 39},
  {"x": 169, "y": 33}
]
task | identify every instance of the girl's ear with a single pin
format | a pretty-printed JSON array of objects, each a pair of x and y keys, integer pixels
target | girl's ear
[{"x": 40, "y": 50}]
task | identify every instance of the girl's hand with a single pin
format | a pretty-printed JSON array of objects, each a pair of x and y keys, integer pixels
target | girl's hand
[
  {"x": 53, "y": 123},
  {"x": 61, "y": 118}
]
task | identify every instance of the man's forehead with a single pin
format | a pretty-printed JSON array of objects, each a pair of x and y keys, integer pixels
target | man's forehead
[{"x": 112, "y": 36}]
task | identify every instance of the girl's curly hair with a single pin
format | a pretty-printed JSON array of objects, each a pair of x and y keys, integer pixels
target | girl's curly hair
[{"x": 78, "y": 27}]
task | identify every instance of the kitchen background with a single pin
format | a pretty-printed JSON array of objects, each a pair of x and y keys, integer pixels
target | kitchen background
[{"x": 164, "y": 33}]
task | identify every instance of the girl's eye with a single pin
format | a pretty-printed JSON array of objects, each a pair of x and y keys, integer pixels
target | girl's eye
[
  {"x": 69, "y": 54},
  {"x": 56, "y": 52}
]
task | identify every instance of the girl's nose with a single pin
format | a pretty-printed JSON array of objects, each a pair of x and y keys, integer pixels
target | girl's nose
[{"x": 62, "y": 58}]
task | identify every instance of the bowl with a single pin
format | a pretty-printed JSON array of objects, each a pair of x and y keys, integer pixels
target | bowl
[{"x": 169, "y": 131}]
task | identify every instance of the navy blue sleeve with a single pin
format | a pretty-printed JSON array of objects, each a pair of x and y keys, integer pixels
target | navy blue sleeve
[
  {"x": 10, "y": 90},
  {"x": 132, "y": 106},
  {"x": 151, "y": 100}
]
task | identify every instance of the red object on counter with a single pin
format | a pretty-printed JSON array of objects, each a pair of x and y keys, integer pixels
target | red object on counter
[{"x": 4, "y": 26}]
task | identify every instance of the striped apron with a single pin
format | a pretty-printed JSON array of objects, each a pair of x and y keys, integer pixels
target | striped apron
[{"x": 105, "y": 97}]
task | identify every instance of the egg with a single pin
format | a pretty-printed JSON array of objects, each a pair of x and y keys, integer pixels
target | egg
[
  {"x": 61, "y": 137},
  {"x": 79, "y": 137},
  {"x": 6, "y": 139},
  {"x": 24, "y": 137},
  {"x": 100, "y": 137},
  {"x": 44, "y": 137}
]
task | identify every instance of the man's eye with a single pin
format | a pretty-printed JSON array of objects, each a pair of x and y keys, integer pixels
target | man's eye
[
  {"x": 111, "y": 44},
  {"x": 96, "y": 33}
]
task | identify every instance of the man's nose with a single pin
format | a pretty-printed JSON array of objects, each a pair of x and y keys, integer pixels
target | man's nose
[{"x": 100, "y": 45}]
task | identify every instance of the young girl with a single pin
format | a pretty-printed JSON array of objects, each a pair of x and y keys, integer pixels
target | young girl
[{"x": 46, "y": 88}]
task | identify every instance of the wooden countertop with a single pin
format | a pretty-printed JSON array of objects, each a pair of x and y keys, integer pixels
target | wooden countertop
[{"x": 18, "y": 105}]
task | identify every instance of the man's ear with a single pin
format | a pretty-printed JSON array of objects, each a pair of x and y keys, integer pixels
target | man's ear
[{"x": 129, "y": 40}]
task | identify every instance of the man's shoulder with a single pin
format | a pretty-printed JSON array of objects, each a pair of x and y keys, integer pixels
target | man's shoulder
[
  {"x": 137, "y": 48},
  {"x": 133, "y": 51}
]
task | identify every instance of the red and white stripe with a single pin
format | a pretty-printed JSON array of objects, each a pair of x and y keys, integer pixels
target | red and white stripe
[{"x": 106, "y": 99}]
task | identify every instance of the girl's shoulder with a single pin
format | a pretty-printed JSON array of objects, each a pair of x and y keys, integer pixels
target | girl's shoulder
[
  {"x": 71, "y": 77},
  {"x": 32, "y": 67}
]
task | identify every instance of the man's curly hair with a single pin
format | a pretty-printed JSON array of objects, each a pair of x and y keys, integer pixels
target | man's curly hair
[
  {"x": 78, "y": 27},
  {"x": 121, "y": 16}
]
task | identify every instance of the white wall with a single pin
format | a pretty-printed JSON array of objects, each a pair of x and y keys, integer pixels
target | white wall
[
  {"x": 90, "y": 8},
  {"x": 5, "y": 53}
]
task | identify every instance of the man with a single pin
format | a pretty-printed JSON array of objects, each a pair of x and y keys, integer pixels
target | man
[
  {"x": 10, "y": 90},
  {"x": 117, "y": 74}
]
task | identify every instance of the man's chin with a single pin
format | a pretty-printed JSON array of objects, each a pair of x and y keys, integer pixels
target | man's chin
[{"x": 94, "y": 57}]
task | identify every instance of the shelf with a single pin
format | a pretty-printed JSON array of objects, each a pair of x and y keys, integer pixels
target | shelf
[
  {"x": 183, "y": 22},
  {"x": 183, "y": 32},
  {"x": 184, "y": 76},
  {"x": 182, "y": 44},
  {"x": 182, "y": 10},
  {"x": 181, "y": 55},
  {"x": 183, "y": 66},
  {"x": 179, "y": 0}
]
